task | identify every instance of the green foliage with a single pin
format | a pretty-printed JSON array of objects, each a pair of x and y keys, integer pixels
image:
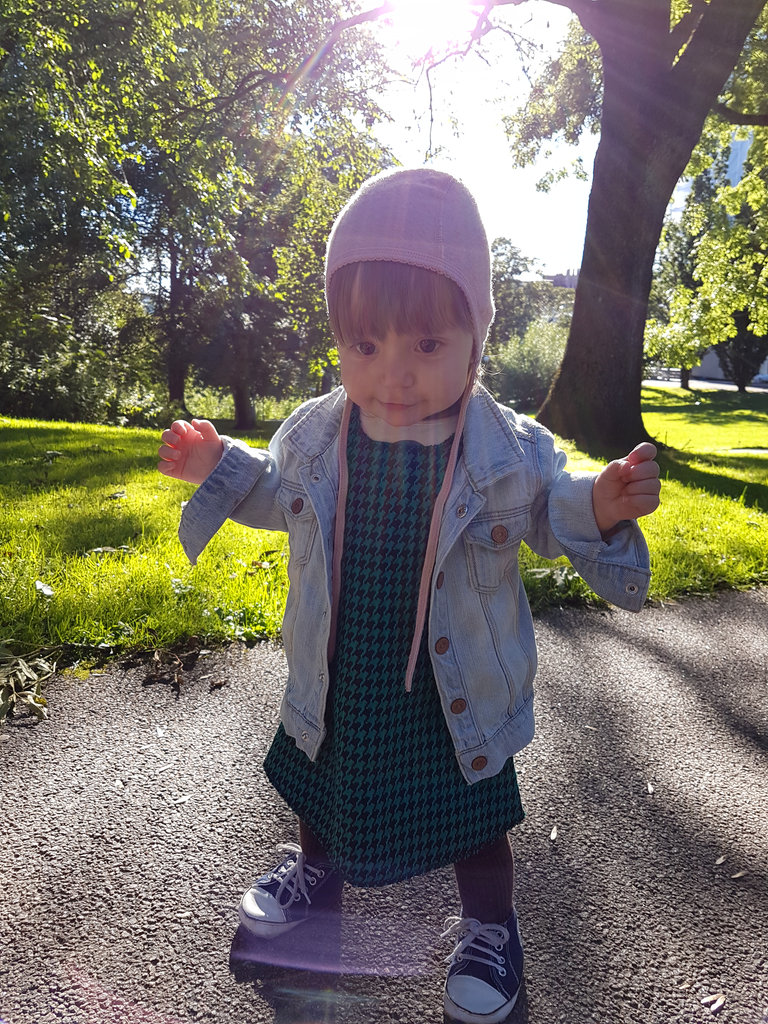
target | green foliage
[
  {"x": 519, "y": 302},
  {"x": 97, "y": 364},
  {"x": 681, "y": 339},
  {"x": 520, "y": 373},
  {"x": 564, "y": 101},
  {"x": 711, "y": 286},
  {"x": 172, "y": 139}
]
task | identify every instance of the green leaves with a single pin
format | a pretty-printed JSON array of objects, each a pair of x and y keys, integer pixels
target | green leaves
[{"x": 565, "y": 100}]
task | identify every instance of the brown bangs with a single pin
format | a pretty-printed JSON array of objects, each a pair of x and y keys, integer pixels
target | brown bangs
[{"x": 367, "y": 299}]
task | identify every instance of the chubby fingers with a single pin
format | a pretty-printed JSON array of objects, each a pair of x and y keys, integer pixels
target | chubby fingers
[
  {"x": 206, "y": 430},
  {"x": 639, "y": 464},
  {"x": 642, "y": 487},
  {"x": 177, "y": 431},
  {"x": 168, "y": 452},
  {"x": 644, "y": 452}
]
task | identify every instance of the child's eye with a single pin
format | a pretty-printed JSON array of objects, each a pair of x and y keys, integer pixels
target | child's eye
[
  {"x": 428, "y": 345},
  {"x": 365, "y": 348}
]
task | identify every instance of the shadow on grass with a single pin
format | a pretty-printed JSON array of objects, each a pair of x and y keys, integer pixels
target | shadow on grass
[
  {"x": 711, "y": 407},
  {"x": 723, "y": 480},
  {"x": 59, "y": 455},
  {"x": 43, "y": 458}
]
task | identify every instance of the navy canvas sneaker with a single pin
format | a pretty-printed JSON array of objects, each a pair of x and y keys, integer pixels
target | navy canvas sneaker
[
  {"x": 486, "y": 970},
  {"x": 285, "y": 896}
]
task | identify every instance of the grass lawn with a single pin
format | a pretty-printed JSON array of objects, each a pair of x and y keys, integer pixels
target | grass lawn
[{"x": 90, "y": 562}]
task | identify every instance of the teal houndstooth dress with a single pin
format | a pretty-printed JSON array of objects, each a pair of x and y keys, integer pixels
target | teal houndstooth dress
[{"x": 386, "y": 797}]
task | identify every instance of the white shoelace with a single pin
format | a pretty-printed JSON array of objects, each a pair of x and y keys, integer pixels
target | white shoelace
[
  {"x": 480, "y": 942},
  {"x": 293, "y": 877}
]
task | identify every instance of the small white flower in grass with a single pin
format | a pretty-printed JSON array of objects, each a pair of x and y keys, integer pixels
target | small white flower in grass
[{"x": 43, "y": 589}]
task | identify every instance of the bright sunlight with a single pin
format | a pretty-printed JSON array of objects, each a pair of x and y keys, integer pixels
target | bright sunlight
[{"x": 431, "y": 28}]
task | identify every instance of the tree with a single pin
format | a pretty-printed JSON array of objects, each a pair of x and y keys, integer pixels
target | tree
[
  {"x": 214, "y": 198},
  {"x": 743, "y": 353},
  {"x": 664, "y": 65},
  {"x": 164, "y": 133},
  {"x": 675, "y": 334},
  {"x": 712, "y": 281}
]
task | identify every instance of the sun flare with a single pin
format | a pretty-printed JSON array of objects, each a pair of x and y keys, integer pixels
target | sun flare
[{"x": 431, "y": 27}]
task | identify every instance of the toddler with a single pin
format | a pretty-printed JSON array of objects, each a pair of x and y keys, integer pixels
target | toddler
[{"x": 406, "y": 493}]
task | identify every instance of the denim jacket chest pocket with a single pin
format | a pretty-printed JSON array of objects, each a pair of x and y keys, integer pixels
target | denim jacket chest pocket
[
  {"x": 300, "y": 518},
  {"x": 491, "y": 543}
]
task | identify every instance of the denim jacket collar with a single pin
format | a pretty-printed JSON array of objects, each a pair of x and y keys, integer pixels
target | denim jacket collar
[{"x": 492, "y": 447}]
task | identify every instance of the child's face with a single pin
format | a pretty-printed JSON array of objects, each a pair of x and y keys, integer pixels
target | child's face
[{"x": 404, "y": 378}]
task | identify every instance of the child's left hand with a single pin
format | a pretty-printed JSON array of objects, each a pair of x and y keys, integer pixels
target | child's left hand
[{"x": 627, "y": 488}]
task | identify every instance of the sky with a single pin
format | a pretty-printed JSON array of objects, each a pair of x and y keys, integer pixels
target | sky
[{"x": 470, "y": 97}]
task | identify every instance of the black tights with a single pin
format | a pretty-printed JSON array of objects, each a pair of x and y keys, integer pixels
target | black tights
[{"x": 486, "y": 880}]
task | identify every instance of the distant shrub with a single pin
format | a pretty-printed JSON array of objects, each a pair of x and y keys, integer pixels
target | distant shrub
[{"x": 520, "y": 372}]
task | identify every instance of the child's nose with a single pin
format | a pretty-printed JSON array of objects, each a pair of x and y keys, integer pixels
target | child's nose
[{"x": 397, "y": 370}]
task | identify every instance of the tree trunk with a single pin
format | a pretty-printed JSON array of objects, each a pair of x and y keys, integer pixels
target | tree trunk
[
  {"x": 245, "y": 417},
  {"x": 685, "y": 378},
  {"x": 595, "y": 398},
  {"x": 653, "y": 112},
  {"x": 177, "y": 368},
  {"x": 177, "y": 359}
]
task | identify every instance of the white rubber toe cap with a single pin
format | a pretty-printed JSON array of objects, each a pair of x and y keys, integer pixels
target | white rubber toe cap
[{"x": 260, "y": 907}]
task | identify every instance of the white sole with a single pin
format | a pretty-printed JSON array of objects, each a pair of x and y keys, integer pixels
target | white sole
[
  {"x": 265, "y": 929},
  {"x": 458, "y": 1013}
]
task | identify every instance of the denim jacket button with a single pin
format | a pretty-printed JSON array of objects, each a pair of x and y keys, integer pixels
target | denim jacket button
[
  {"x": 440, "y": 579},
  {"x": 479, "y": 763},
  {"x": 461, "y": 511},
  {"x": 499, "y": 534},
  {"x": 297, "y": 505},
  {"x": 632, "y": 588},
  {"x": 442, "y": 645},
  {"x": 458, "y": 706}
]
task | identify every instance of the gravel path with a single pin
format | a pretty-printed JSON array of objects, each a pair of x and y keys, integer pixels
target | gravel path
[{"x": 135, "y": 817}]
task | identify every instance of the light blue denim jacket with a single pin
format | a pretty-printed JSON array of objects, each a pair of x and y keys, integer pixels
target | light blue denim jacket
[{"x": 509, "y": 486}]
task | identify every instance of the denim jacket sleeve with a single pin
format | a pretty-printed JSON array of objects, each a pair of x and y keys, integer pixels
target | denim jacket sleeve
[
  {"x": 563, "y": 523},
  {"x": 241, "y": 487}
]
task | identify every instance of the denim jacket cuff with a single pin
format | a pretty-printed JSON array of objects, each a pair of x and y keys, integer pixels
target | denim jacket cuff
[
  {"x": 616, "y": 566},
  {"x": 218, "y": 495}
]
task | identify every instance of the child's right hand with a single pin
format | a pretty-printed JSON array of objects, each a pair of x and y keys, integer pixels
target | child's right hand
[{"x": 190, "y": 451}]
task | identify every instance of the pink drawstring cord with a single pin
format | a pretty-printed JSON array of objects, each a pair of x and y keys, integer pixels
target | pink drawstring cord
[
  {"x": 434, "y": 535},
  {"x": 338, "y": 530}
]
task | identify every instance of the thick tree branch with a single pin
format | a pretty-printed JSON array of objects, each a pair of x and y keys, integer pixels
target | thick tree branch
[
  {"x": 739, "y": 116},
  {"x": 578, "y": 7},
  {"x": 681, "y": 33},
  {"x": 715, "y": 45}
]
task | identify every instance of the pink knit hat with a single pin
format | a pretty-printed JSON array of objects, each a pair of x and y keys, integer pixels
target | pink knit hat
[{"x": 427, "y": 219}]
